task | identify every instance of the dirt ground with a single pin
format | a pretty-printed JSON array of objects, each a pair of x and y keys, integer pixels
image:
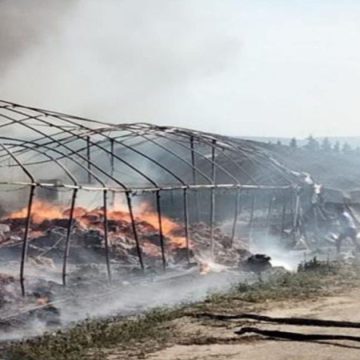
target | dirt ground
[{"x": 209, "y": 339}]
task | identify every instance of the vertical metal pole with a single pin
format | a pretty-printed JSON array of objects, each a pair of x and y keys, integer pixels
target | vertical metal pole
[
  {"x": 212, "y": 199},
  {"x": 88, "y": 156},
  {"x": 292, "y": 205},
  {"x": 112, "y": 169},
  {"x": 25, "y": 239},
  {"x": 283, "y": 215},
  {"x": 106, "y": 236},
  {"x": 186, "y": 224},
  {"x": 296, "y": 211},
  {"x": 133, "y": 225},
  {"x": 240, "y": 204},
  {"x": 316, "y": 221},
  {"x": 158, "y": 206},
  {"x": 193, "y": 163},
  {"x": 112, "y": 165},
  {"x": 236, "y": 214},
  {"x": 296, "y": 215},
  {"x": 68, "y": 235},
  {"x": 267, "y": 227},
  {"x": 251, "y": 221}
]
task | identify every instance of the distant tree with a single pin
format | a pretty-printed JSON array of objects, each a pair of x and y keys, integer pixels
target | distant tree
[
  {"x": 325, "y": 145},
  {"x": 346, "y": 148},
  {"x": 293, "y": 143},
  {"x": 336, "y": 147},
  {"x": 312, "y": 144},
  {"x": 278, "y": 143}
]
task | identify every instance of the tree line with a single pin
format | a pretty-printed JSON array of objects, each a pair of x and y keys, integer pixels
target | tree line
[{"x": 325, "y": 145}]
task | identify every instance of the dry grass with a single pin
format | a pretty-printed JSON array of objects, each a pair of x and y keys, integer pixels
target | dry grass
[{"x": 155, "y": 329}]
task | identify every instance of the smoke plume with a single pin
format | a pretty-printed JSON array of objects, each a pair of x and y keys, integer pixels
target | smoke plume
[
  {"x": 25, "y": 24},
  {"x": 127, "y": 60}
]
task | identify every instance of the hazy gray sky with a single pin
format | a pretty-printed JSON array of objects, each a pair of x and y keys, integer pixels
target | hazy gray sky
[{"x": 264, "y": 68}]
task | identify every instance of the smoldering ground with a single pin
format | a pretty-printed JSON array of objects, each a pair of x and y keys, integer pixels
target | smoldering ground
[{"x": 127, "y": 296}]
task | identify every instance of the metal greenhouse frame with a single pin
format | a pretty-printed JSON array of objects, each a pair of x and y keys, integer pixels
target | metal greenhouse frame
[{"x": 88, "y": 153}]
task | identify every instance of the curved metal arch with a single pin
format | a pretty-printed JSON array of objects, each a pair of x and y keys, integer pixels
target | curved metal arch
[
  {"x": 64, "y": 117},
  {"x": 116, "y": 128},
  {"x": 56, "y": 161},
  {"x": 204, "y": 139},
  {"x": 95, "y": 144},
  {"x": 276, "y": 166},
  {"x": 80, "y": 127},
  {"x": 95, "y": 131},
  {"x": 72, "y": 152},
  {"x": 204, "y": 157},
  {"x": 252, "y": 159},
  {"x": 175, "y": 155},
  {"x": 236, "y": 146},
  {"x": 212, "y": 145}
]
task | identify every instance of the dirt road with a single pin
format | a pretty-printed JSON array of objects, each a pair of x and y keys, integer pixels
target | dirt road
[{"x": 216, "y": 340}]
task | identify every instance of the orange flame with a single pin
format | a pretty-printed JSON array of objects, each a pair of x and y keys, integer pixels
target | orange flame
[
  {"x": 42, "y": 211},
  {"x": 169, "y": 227}
]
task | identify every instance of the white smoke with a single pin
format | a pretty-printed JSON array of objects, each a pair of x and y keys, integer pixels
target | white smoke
[
  {"x": 24, "y": 24},
  {"x": 127, "y": 60},
  {"x": 127, "y": 297}
]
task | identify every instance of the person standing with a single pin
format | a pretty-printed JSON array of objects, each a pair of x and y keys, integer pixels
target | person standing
[{"x": 347, "y": 228}]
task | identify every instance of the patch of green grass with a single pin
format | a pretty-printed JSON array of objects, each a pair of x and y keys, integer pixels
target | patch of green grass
[
  {"x": 308, "y": 282},
  {"x": 95, "y": 335},
  {"x": 299, "y": 285}
]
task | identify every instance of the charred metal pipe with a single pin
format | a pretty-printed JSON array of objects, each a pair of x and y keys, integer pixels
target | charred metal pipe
[
  {"x": 212, "y": 199},
  {"x": 112, "y": 165},
  {"x": 68, "y": 235},
  {"x": 267, "y": 226},
  {"x": 296, "y": 215},
  {"x": 194, "y": 178},
  {"x": 106, "y": 237},
  {"x": 88, "y": 156},
  {"x": 186, "y": 224},
  {"x": 112, "y": 168},
  {"x": 161, "y": 234},
  {"x": 25, "y": 240},
  {"x": 236, "y": 215},
  {"x": 251, "y": 220},
  {"x": 133, "y": 225},
  {"x": 283, "y": 214},
  {"x": 296, "y": 212}
]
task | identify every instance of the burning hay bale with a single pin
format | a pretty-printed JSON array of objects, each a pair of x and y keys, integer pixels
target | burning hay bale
[
  {"x": 48, "y": 234},
  {"x": 200, "y": 237}
]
